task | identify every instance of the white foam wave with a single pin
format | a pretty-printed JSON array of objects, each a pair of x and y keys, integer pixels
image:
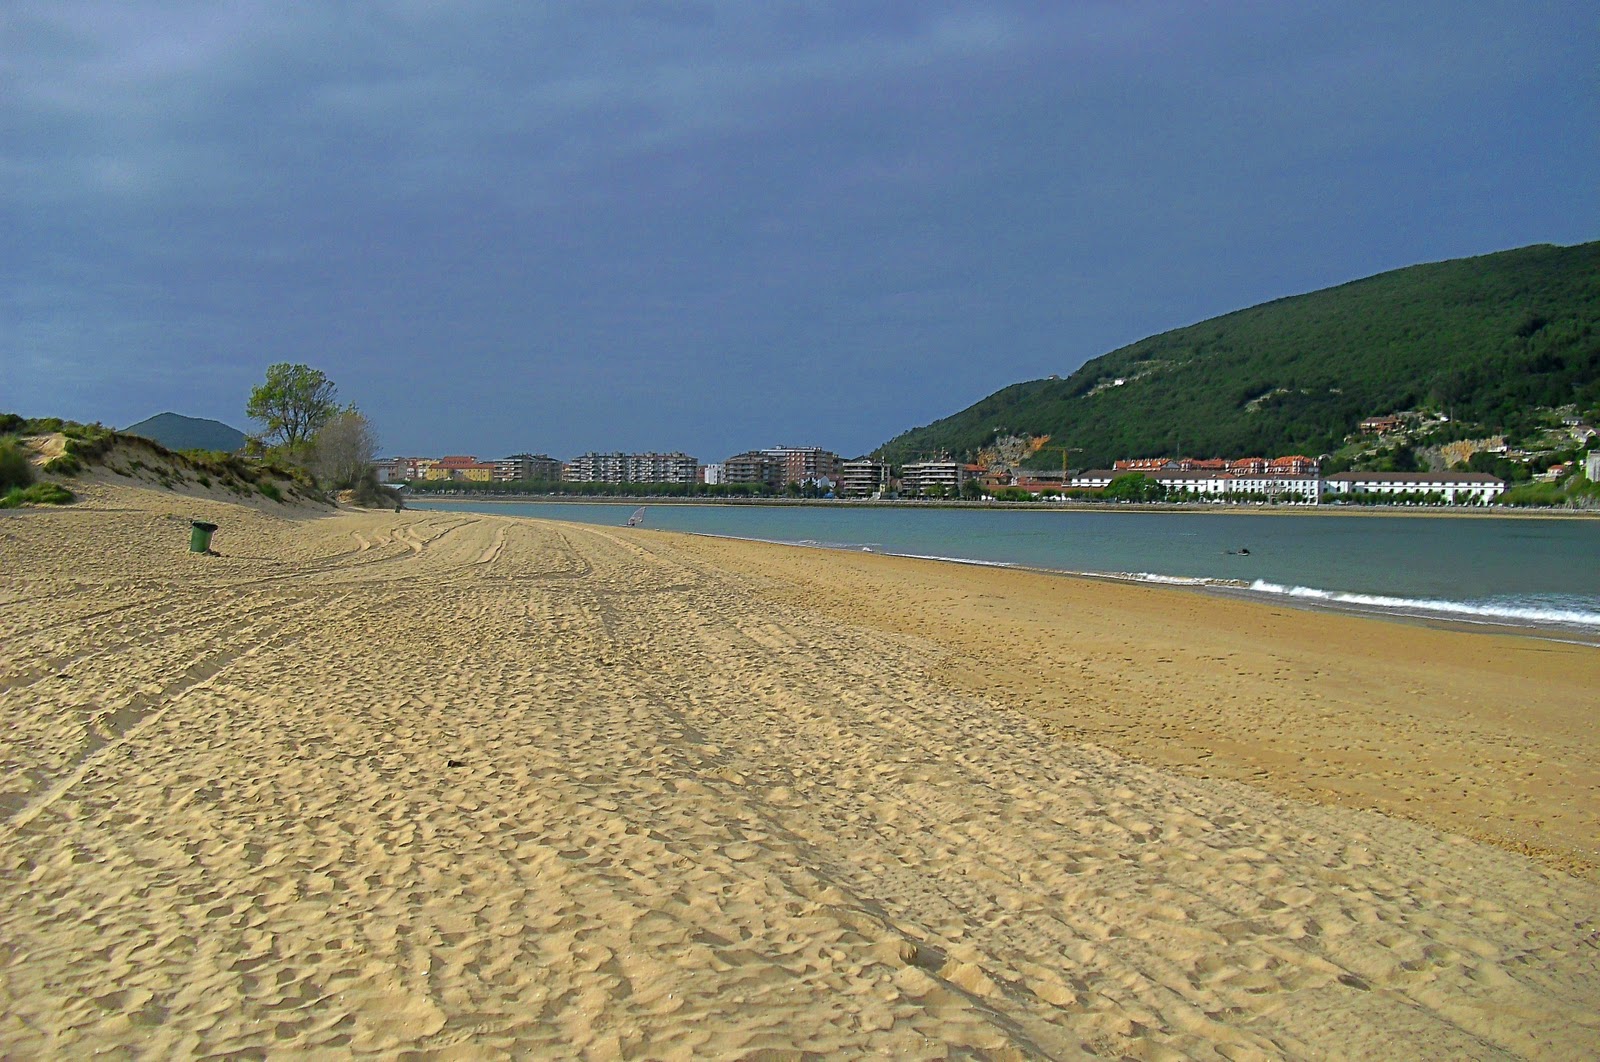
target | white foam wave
[
  {"x": 1172, "y": 580},
  {"x": 1481, "y": 611},
  {"x": 956, "y": 560}
]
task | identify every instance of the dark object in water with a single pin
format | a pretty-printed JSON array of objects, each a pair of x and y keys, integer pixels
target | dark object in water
[{"x": 1242, "y": 551}]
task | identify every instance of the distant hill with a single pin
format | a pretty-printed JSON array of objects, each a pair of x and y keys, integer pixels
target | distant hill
[
  {"x": 1486, "y": 339},
  {"x": 177, "y": 432}
]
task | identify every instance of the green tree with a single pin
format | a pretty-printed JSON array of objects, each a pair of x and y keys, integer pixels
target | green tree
[
  {"x": 293, "y": 404},
  {"x": 1135, "y": 486}
]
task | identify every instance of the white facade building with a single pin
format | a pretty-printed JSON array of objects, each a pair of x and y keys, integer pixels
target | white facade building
[
  {"x": 632, "y": 468},
  {"x": 920, "y": 477},
  {"x": 1458, "y": 488},
  {"x": 861, "y": 478},
  {"x": 1220, "y": 484}
]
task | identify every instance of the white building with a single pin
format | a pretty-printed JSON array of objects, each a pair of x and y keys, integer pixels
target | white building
[
  {"x": 1212, "y": 484},
  {"x": 632, "y": 468},
  {"x": 1094, "y": 478},
  {"x": 1458, "y": 488},
  {"x": 1300, "y": 487},
  {"x": 861, "y": 478},
  {"x": 1591, "y": 466},
  {"x": 922, "y": 477}
]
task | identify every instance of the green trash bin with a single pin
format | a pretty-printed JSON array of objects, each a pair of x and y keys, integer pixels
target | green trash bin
[{"x": 200, "y": 536}]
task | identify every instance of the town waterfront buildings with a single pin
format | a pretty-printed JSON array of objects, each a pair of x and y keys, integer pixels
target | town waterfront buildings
[{"x": 1293, "y": 478}]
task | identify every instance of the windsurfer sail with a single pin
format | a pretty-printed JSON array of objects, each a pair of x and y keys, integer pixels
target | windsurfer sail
[{"x": 637, "y": 518}]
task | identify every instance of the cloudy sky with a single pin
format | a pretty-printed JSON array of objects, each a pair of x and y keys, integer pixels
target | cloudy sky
[{"x": 671, "y": 224}]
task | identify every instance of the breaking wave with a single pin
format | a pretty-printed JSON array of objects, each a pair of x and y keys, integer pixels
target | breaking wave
[{"x": 1537, "y": 613}]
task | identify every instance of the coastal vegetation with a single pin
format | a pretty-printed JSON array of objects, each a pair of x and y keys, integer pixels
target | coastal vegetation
[
  {"x": 1573, "y": 491},
  {"x": 83, "y": 447},
  {"x": 17, "y": 481},
  {"x": 305, "y": 428},
  {"x": 1487, "y": 345}
]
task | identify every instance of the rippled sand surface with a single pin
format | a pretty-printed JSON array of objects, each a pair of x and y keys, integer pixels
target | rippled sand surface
[{"x": 478, "y": 787}]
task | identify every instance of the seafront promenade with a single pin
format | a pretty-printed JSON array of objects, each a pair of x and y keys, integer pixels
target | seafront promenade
[{"x": 471, "y": 785}]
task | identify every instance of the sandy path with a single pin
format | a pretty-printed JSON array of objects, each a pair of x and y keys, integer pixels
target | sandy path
[{"x": 481, "y": 787}]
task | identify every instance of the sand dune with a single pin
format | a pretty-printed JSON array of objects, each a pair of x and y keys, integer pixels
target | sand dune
[{"x": 478, "y": 787}]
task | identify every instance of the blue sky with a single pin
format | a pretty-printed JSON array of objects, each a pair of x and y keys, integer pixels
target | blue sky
[{"x": 711, "y": 226}]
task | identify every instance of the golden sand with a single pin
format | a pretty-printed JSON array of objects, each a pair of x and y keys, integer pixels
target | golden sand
[{"x": 478, "y": 787}]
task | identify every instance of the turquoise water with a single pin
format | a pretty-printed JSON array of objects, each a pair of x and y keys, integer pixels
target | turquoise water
[{"x": 1527, "y": 572}]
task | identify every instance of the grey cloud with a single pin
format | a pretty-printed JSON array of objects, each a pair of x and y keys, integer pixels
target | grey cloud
[{"x": 916, "y": 198}]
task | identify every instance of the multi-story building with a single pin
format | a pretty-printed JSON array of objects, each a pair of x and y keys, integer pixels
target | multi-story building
[
  {"x": 922, "y": 477},
  {"x": 632, "y": 468},
  {"x": 1456, "y": 487},
  {"x": 523, "y": 468},
  {"x": 1293, "y": 465},
  {"x": 754, "y": 466},
  {"x": 805, "y": 464},
  {"x": 862, "y": 478},
  {"x": 393, "y": 469},
  {"x": 463, "y": 467},
  {"x": 1380, "y": 425}
]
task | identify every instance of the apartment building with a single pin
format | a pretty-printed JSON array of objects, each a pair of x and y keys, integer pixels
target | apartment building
[
  {"x": 522, "y": 468},
  {"x": 632, "y": 468},
  {"x": 861, "y": 478},
  {"x": 805, "y": 464},
  {"x": 393, "y": 469},
  {"x": 754, "y": 466},
  {"x": 922, "y": 477}
]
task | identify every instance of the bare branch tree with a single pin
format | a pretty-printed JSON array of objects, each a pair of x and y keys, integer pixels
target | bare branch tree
[{"x": 343, "y": 450}]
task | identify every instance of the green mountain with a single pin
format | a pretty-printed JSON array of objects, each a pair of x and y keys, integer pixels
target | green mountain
[
  {"x": 177, "y": 432},
  {"x": 1485, "y": 339}
]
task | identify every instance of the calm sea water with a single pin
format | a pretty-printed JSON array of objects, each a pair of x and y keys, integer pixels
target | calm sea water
[{"x": 1540, "y": 573}]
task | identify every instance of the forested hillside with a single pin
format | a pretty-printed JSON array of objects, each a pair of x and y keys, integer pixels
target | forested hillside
[{"x": 1488, "y": 340}]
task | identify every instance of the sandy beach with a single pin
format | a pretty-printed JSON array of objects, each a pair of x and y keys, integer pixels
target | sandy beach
[{"x": 471, "y": 787}]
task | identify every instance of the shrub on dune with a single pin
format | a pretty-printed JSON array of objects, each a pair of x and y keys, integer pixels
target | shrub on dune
[
  {"x": 15, "y": 470},
  {"x": 38, "y": 494}
]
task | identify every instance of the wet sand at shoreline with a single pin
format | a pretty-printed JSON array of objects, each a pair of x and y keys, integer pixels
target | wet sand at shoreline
[
  {"x": 476, "y": 786},
  {"x": 1485, "y": 733}
]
